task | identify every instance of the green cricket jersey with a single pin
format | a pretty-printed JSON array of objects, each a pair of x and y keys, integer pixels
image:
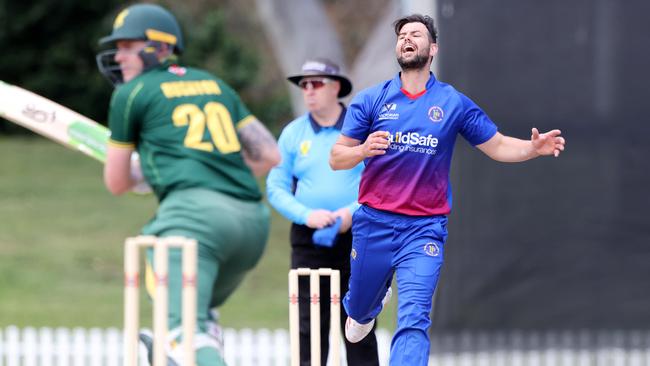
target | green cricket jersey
[{"x": 183, "y": 123}]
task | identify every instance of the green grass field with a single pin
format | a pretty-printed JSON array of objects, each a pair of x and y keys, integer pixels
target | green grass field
[{"x": 61, "y": 236}]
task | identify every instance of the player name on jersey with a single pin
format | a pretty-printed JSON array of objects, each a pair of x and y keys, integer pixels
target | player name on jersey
[{"x": 176, "y": 89}]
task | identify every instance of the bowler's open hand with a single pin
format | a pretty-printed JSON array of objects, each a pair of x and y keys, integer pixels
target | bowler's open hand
[{"x": 547, "y": 143}]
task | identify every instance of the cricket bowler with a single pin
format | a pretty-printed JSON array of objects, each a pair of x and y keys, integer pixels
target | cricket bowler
[{"x": 404, "y": 130}]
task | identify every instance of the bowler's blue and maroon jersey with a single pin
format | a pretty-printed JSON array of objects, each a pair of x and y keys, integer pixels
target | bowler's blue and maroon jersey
[{"x": 412, "y": 178}]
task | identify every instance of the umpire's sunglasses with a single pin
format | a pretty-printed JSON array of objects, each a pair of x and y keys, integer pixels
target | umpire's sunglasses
[{"x": 313, "y": 83}]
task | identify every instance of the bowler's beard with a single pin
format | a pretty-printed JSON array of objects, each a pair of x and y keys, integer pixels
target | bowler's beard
[{"x": 416, "y": 63}]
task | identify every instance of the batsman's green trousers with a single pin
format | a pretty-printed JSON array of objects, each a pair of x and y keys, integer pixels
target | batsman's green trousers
[{"x": 231, "y": 234}]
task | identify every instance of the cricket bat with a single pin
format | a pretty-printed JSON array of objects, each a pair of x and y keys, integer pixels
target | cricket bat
[
  {"x": 60, "y": 124},
  {"x": 53, "y": 121}
]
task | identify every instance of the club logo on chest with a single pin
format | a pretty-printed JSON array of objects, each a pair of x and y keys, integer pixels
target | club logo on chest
[{"x": 436, "y": 114}]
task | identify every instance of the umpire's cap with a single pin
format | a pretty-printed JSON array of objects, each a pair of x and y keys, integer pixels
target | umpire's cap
[{"x": 326, "y": 68}]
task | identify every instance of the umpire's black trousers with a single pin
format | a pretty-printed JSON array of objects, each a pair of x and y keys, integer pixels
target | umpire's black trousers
[{"x": 305, "y": 254}]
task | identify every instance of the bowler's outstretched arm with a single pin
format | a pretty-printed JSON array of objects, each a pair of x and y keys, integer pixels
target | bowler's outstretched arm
[{"x": 511, "y": 150}]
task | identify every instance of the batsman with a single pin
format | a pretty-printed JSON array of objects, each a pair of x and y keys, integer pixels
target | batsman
[{"x": 200, "y": 150}]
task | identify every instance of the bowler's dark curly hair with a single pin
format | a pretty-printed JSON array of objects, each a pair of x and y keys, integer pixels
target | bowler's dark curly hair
[{"x": 418, "y": 18}]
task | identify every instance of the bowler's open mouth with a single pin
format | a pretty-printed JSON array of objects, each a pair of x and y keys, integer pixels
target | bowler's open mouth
[{"x": 408, "y": 48}]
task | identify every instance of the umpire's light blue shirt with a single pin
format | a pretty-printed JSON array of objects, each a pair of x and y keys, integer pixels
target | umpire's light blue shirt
[{"x": 304, "y": 181}]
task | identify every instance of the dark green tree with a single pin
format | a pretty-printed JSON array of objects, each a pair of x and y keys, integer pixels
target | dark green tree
[{"x": 50, "y": 48}]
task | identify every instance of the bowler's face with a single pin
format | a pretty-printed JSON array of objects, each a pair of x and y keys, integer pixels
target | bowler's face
[{"x": 414, "y": 46}]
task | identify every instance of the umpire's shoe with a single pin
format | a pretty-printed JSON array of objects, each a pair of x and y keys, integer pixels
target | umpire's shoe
[{"x": 147, "y": 339}]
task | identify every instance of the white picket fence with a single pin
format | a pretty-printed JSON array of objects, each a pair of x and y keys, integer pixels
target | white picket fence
[
  {"x": 246, "y": 347},
  {"x": 103, "y": 347}
]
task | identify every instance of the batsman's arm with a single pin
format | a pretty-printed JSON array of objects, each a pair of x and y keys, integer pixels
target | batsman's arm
[
  {"x": 259, "y": 148},
  {"x": 117, "y": 170}
]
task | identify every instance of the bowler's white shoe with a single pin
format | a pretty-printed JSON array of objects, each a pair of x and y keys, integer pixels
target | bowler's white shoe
[{"x": 355, "y": 331}]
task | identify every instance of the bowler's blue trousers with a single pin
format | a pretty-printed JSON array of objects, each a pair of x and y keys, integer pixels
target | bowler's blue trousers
[{"x": 386, "y": 243}]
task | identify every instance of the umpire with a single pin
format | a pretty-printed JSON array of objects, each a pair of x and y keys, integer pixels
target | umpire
[{"x": 305, "y": 190}]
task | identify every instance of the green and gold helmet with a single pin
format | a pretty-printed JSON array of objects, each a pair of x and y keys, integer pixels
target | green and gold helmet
[{"x": 146, "y": 22}]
